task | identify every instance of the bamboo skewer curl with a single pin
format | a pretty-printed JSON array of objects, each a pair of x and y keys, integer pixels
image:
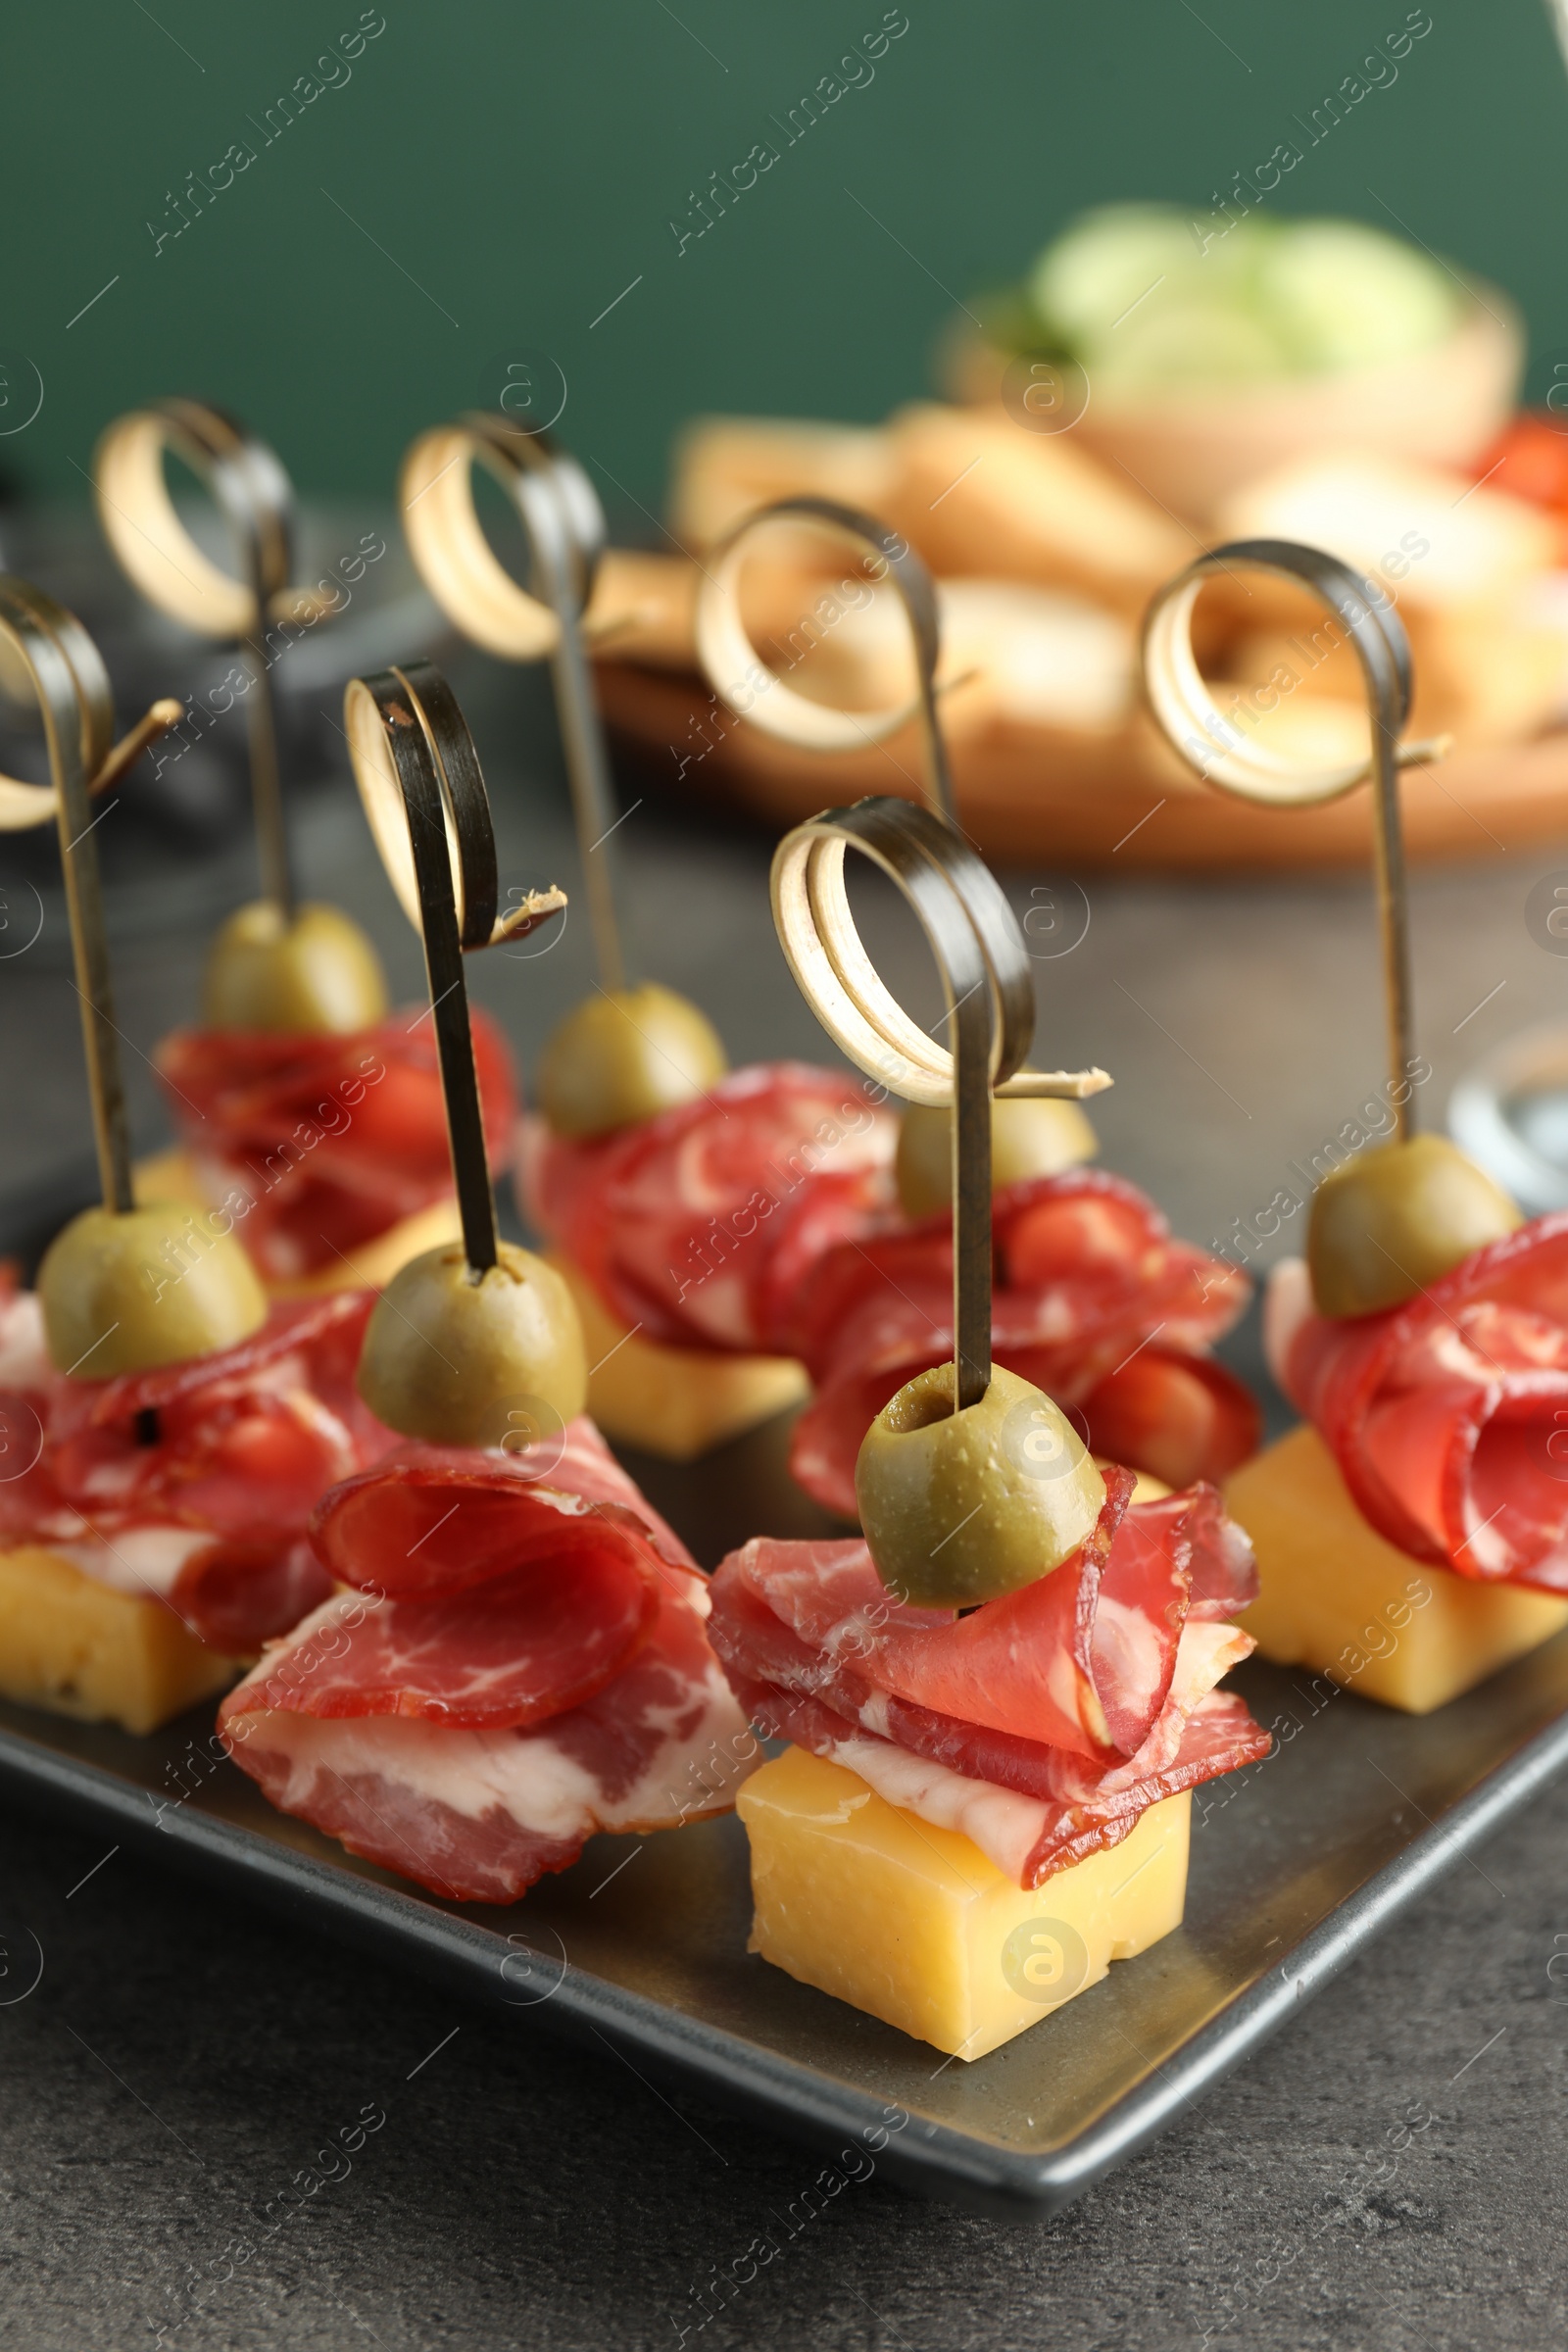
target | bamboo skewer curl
[
  {"x": 160, "y": 557},
  {"x": 1216, "y": 750},
  {"x": 424, "y": 793},
  {"x": 564, "y": 527},
  {"x": 66, "y": 674},
  {"x": 729, "y": 658},
  {"x": 983, "y": 963}
]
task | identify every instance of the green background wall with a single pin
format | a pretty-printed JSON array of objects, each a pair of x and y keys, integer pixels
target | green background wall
[{"x": 523, "y": 164}]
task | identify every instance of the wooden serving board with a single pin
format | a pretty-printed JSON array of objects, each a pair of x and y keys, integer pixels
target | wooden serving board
[{"x": 1029, "y": 795}]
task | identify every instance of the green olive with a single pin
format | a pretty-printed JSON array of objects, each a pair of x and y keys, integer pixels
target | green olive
[
  {"x": 125, "y": 1292},
  {"x": 962, "y": 1507},
  {"x": 459, "y": 1362},
  {"x": 1035, "y": 1136},
  {"x": 318, "y": 976},
  {"x": 1391, "y": 1220},
  {"x": 625, "y": 1054}
]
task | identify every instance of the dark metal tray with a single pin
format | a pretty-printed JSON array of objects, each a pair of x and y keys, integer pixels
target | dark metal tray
[{"x": 640, "y": 1948}]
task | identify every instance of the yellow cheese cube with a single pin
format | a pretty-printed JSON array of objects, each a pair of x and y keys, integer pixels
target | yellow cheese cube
[
  {"x": 1336, "y": 1597},
  {"x": 167, "y": 1176},
  {"x": 914, "y": 1925},
  {"x": 79, "y": 1647},
  {"x": 369, "y": 1267},
  {"x": 677, "y": 1402}
]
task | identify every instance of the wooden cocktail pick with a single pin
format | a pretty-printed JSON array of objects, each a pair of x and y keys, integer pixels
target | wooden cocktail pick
[
  {"x": 564, "y": 526},
  {"x": 424, "y": 795},
  {"x": 1389, "y": 1222},
  {"x": 732, "y": 663},
  {"x": 983, "y": 963},
  {"x": 477, "y": 1345},
  {"x": 123, "y": 1287},
  {"x": 66, "y": 674},
  {"x": 159, "y": 554}
]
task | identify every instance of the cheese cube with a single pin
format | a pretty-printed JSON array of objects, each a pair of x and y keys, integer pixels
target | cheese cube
[
  {"x": 167, "y": 1176},
  {"x": 369, "y": 1266},
  {"x": 1336, "y": 1597},
  {"x": 78, "y": 1648},
  {"x": 677, "y": 1402},
  {"x": 914, "y": 1925}
]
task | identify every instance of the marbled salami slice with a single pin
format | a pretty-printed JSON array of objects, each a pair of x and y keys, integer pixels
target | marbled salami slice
[
  {"x": 1094, "y": 1303},
  {"x": 478, "y": 1814},
  {"x": 699, "y": 1226},
  {"x": 1081, "y": 1660},
  {"x": 211, "y": 1516},
  {"x": 320, "y": 1144}
]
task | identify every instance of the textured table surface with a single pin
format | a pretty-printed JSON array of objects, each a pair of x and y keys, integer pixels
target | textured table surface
[{"x": 1386, "y": 2173}]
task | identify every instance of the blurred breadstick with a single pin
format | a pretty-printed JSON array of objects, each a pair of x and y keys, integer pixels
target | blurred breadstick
[
  {"x": 642, "y": 608},
  {"x": 727, "y": 467},
  {"x": 979, "y": 495}
]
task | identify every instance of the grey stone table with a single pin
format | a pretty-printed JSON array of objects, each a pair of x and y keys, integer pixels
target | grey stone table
[{"x": 183, "y": 2055}]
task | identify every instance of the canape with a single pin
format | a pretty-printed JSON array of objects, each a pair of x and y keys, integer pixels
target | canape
[
  {"x": 516, "y": 1654},
  {"x": 1000, "y": 1696},
  {"x": 1412, "y": 1536},
  {"x": 985, "y": 1804},
  {"x": 164, "y": 1436},
  {"x": 153, "y": 1533},
  {"x": 308, "y": 1114}
]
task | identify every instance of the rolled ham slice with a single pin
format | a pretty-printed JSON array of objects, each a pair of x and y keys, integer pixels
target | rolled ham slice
[
  {"x": 520, "y": 1659},
  {"x": 1042, "y": 1723},
  {"x": 1094, "y": 1303},
  {"x": 320, "y": 1143},
  {"x": 1448, "y": 1416}
]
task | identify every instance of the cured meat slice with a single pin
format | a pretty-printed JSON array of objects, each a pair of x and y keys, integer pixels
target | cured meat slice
[
  {"x": 1448, "y": 1416},
  {"x": 1224, "y": 1571},
  {"x": 315, "y": 1144},
  {"x": 478, "y": 1814},
  {"x": 326, "y": 1332},
  {"x": 757, "y": 1649},
  {"x": 511, "y": 1652},
  {"x": 473, "y": 1729},
  {"x": 1080, "y": 1660},
  {"x": 1092, "y": 1301},
  {"x": 698, "y": 1227},
  {"x": 496, "y": 1600},
  {"x": 1085, "y": 1263},
  {"x": 434, "y": 1519},
  {"x": 1043, "y": 1731},
  {"x": 211, "y": 1517}
]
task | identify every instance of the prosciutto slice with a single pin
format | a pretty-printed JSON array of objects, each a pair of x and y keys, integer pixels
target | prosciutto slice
[
  {"x": 1448, "y": 1416},
  {"x": 211, "y": 1517},
  {"x": 1092, "y": 1301},
  {"x": 315, "y": 1144},
  {"x": 520, "y": 1659},
  {"x": 1043, "y": 1724},
  {"x": 698, "y": 1226}
]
